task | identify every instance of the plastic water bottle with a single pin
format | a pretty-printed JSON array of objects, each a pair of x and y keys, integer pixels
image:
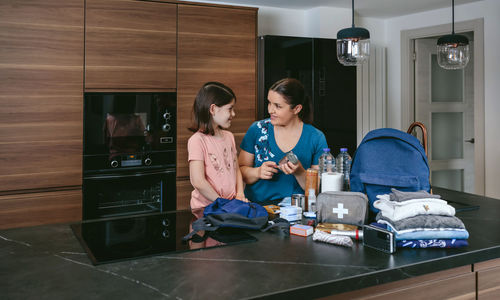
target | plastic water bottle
[
  {"x": 326, "y": 162},
  {"x": 344, "y": 166}
]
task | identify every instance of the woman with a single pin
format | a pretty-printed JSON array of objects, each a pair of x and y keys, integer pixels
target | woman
[{"x": 267, "y": 141}]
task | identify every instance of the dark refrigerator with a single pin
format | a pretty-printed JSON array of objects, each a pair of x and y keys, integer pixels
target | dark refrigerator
[{"x": 331, "y": 86}]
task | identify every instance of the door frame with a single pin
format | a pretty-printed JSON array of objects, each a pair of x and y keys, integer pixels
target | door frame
[{"x": 408, "y": 80}]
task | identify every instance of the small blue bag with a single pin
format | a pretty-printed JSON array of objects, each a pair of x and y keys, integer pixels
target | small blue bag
[{"x": 389, "y": 158}]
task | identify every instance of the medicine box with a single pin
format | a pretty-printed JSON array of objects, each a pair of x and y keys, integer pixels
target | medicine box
[{"x": 302, "y": 230}]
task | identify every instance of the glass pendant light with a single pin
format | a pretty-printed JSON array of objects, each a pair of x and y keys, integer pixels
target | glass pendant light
[
  {"x": 353, "y": 44},
  {"x": 453, "y": 49}
]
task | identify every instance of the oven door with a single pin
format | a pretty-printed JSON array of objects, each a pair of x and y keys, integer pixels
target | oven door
[{"x": 110, "y": 195}]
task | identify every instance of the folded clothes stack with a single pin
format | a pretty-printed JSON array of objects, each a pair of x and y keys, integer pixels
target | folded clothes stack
[{"x": 420, "y": 220}]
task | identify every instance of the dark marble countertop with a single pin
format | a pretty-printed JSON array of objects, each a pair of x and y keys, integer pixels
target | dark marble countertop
[{"x": 47, "y": 262}]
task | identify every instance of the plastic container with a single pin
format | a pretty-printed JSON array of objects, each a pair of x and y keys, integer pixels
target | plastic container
[
  {"x": 311, "y": 201},
  {"x": 343, "y": 163}
]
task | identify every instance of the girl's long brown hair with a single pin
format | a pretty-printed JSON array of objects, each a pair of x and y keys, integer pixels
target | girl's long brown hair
[{"x": 210, "y": 93}]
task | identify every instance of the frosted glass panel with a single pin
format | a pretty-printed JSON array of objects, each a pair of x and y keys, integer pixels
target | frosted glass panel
[
  {"x": 447, "y": 135},
  {"x": 450, "y": 179},
  {"x": 446, "y": 85}
]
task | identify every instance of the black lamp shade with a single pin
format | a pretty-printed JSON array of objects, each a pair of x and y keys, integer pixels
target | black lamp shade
[{"x": 353, "y": 33}]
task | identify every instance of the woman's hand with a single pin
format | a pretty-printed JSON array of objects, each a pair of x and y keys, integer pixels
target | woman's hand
[
  {"x": 267, "y": 170},
  {"x": 290, "y": 168}
]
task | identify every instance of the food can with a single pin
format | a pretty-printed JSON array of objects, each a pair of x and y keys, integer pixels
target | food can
[{"x": 298, "y": 200}]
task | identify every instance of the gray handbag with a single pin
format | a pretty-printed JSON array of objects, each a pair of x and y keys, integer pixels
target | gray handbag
[{"x": 342, "y": 207}]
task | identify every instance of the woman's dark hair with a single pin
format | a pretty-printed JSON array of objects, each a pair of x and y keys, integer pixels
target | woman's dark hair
[
  {"x": 294, "y": 93},
  {"x": 210, "y": 93}
]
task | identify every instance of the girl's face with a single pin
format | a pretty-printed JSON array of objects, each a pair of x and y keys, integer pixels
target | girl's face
[
  {"x": 280, "y": 111},
  {"x": 222, "y": 115}
]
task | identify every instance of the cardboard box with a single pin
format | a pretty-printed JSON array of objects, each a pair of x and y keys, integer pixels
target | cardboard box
[{"x": 302, "y": 230}]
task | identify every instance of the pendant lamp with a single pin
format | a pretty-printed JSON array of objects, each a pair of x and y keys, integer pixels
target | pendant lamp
[
  {"x": 353, "y": 44},
  {"x": 453, "y": 49}
]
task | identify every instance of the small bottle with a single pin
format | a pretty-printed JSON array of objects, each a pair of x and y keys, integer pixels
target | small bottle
[
  {"x": 344, "y": 166},
  {"x": 311, "y": 201}
]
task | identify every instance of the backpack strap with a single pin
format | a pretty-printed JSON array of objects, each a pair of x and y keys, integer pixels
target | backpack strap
[
  {"x": 424, "y": 133},
  {"x": 199, "y": 225},
  {"x": 282, "y": 224}
]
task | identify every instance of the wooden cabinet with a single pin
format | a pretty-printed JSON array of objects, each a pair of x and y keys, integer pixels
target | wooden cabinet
[
  {"x": 488, "y": 279},
  {"x": 459, "y": 283},
  {"x": 130, "y": 45},
  {"x": 31, "y": 209},
  {"x": 214, "y": 44},
  {"x": 41, "y": 77}
]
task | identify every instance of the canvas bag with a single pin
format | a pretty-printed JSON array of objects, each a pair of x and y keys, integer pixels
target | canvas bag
[
  {"x": 342, "y": 207},
  {"x": 234, "y": 214},
  {"x": 388, "y": 158}
]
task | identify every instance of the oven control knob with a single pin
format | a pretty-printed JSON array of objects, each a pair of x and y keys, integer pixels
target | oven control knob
[
  {"x": 165, "y": 222},
  {"x": 167, "y": 116},
  {"x": 147, "y": 161},
  {"x": 114, "y": 163},
  {"x": 165, "y": 234},
  {"x": 166, "y": 127}
]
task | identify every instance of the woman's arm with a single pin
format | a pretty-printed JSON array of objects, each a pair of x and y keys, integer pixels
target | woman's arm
[
  {"x": 250, "y": 174},
  {"x": 198, "y": 180}
]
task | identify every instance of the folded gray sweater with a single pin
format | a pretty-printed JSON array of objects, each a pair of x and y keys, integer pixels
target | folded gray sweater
[
  {"x": 425, "y": 221},
  {"x": 400, "y": 196}
]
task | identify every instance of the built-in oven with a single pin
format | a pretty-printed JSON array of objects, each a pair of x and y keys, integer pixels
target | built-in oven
[
  {"x": 138, "y": 192},
  {"x": 129, "y": 153}
]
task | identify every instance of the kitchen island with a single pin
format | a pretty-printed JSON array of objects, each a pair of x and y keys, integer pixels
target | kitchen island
[{"x": 47, "y": 262}]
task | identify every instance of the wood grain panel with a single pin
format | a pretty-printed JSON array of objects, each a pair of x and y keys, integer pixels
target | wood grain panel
[
  {"x": 184, "y": 189},
  {"x": 214, "y": 44},
  {"x": 130, "y": 44},
  {"x": 27, "y": 119},
  {"x": 33, "y": 209},
  {"x": 57, "y": 13},
  {"x": 458, "y": 282},
  {"x": 41, "y": 93},
  {"x": 31, "y": 165},
  {"x": 488, "y": 284}
]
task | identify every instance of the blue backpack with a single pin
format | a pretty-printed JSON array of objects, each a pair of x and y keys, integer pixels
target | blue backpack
[
  {"x": 388, "y": 158},
  {"x": 225, "y": 213}
]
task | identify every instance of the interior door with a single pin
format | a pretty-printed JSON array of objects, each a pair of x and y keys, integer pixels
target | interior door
[{"x": 444, "y": 102}]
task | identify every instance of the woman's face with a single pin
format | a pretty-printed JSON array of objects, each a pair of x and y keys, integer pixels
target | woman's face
[
  {"x": 223, "y": 115},
  {"x": 280, "y": 111}
]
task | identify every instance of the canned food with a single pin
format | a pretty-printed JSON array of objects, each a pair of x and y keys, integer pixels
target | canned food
[
  {"x": 298, "y": 200},
  {"x": 289, "y": 157}
]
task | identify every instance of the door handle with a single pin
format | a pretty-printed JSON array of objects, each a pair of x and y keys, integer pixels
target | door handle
[{"x": 470, "y": 141}]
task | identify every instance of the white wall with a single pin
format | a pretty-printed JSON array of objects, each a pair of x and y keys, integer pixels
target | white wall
[{"x": 490, "y": 11}]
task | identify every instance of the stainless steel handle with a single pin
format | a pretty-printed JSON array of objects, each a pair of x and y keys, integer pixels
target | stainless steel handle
[
  {"x": 103, "y": 177},
  {"x": 470, "y": 141}
]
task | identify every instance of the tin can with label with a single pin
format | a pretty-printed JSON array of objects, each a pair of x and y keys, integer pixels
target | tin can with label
[{"x": 298, "y": 200}]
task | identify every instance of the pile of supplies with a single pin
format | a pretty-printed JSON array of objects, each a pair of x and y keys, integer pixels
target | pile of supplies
[{"x": 420, "y": 220}]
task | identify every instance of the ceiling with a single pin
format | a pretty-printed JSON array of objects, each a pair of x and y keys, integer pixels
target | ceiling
[{"x": 365, "y": 8}]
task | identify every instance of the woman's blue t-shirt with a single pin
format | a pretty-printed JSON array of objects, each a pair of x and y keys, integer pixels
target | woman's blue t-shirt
[{"x": 259, "y": 141}]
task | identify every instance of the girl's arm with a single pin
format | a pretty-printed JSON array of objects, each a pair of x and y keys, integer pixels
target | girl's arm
[
  {"x": 250, "y": 174},
  {"x": 240, "y": 194},
  {"x": 199, "y": 181}
]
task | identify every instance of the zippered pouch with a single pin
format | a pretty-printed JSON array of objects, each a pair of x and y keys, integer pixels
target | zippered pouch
[{"x": 342, "y": 207}]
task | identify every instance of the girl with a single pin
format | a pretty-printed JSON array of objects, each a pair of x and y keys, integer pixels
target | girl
[
  {"x": 267, "y": 141},
  {"x": 213, "y": 167}
]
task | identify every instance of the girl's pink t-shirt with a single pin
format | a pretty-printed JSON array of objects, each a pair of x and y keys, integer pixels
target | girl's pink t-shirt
[{"x": 219, "y": 156}]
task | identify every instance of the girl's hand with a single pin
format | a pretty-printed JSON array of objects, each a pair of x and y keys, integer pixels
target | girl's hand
[
  {"x": 290, "y": 168},
  {"x": 241, "y": 197},
  {"x": 267, "y": 170}
]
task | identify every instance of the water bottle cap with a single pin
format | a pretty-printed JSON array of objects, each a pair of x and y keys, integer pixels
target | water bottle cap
[
  {"x": 326, "y": 149},
  {"x": 343, "y": 149}
]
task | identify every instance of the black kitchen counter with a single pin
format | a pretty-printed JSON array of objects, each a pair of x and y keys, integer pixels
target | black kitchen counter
[{"x": 47, "y": 262}]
